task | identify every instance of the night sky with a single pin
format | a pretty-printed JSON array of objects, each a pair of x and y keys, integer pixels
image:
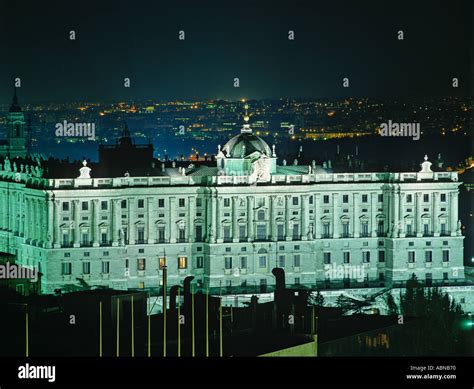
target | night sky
[{"x": 244, "y": 39}]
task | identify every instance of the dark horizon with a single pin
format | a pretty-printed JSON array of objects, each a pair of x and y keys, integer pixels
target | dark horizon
[{"x": 245, "y": 40}]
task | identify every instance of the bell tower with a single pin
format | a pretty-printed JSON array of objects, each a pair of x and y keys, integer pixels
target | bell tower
[{"x": 16, "y": 130}]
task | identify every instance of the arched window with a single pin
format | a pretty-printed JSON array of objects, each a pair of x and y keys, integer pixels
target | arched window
[{"x": 261, "y": 215}]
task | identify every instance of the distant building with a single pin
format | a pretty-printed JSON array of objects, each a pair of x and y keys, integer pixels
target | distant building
[
  {"x": 15, "y": 143},
  {"x": 231, "y": 223}
]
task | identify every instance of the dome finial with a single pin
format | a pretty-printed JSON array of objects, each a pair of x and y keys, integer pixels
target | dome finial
[{"x": 246, "y": 128}]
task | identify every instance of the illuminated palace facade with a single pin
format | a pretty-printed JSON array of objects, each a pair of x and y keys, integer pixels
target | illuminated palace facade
[{"x": 230, "y": 224}]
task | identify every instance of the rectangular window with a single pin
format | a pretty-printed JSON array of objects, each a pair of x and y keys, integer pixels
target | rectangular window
[
  {"x": 280, "y": 232},
  {"x": 181, "y": 235},
  {"x": 346, "y": 256},
  {"x": 311, "y": 200},
  {"x": 411, "y": 257},
  {"x": 296, "y": 231},
  {"x": 242, "y": 232},
  {"x": 281, "y": 261},
  {"x": 162, "y": 262},
  {"x": 198, "y": 233},
  {"x": 380, "y": 198},
  {"x": 141, "y": 203},
  {"x": 161, "y": 203},
  {"x": 103, "y": 238},
  {"x": 296, "y": 260},
  {"x": 365, "y": 198},
  {"x": 366, "y": 256},
  {"x": 228, "y": 263},
  {"x": 243, "y": 262},
  {"x": 181, "y": 203},
  {"x": 161, "y": 234},
  {"x": 66, "y": 240},
  {"x": 443, "y": 197},
  {"x": 226, "y": 202},
  {"x": 409, "y": 198},
  {"x": 262, "y": 262},
  {"x": 198, "y": 202},
  {"x": 105, "y": 267},
  {"x": 381, "y": 228},
  {"x": 141, "y": 264},
  {"x": 365, "y": 229},
  {"x": 65, "y": 206},
  {"x": 199, "y": 262},
  {"x": 86, "y": 268},
  {"x": 426, "y": 198},
  {"x": 327, "y": 258},
  {"x": 295, "y": 200},
  {"x": 443, "y": 228},
  {"x": 182, "y": 263},
  {"x": 445, "y": 255},
  {"x": 381, "y": 256},
  {"x": 85, "y": 206},
  {"x": 426, "y": 229},
  {"x": 326, "y": 230},
  {"x": 261, "y": 231},
  {"x": 66, "y": 268},
  {"x": 85, "y": 239},
  {"x": 103, "y": 205},
  {"x": 345, "y": 230},
  {"x": 345, "y": 199},
  {"x": 326, "y": 199},
  {"x": 141, "y": 234},
  {"x": 428, "y": 256},
  {"x": 123, "y": 204},
  {"x": 445, "y": 276},
  {"x": 409, "y": 230},
  {"x": 227, "y": 237}
]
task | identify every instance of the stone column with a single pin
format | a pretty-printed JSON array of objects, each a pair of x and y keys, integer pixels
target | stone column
[
  {"x": 218, "y": 219},
  {"x": 401, "y": 215},
  {"x": 356, "y": 215},
  {"x": 235, "y": 218},
  {"x": 115, "y": 221},
  {"x": 172, "y": 228},
  {"x": 50, "y": 235},
  {"x": 273, "y": 236},
  {"x": 304, "y": 217},
  {"x": 207, "y": 217},
  {"x": 13, "y": 216},
  {"x": 335, "y": 216},
  {"x": 150, "y": 216},
  {"x": 95, "y": 223},
  {"x": 213, "y": 217},
  {"x": 56, "y": 224},
  {"x": 77, "y": 233},
  {"x": 454, "y": 212},
  {"x": 395, "y": 210},
  {"x": 288, "y": 234},
  {"x": 434, "y": 210},
  {"x": 250, "y": 218},
  {"x": 419, "y": 231},
  {"x": 373, "y": 214},
  {"x": 317, "y": 216},
  {"x": 191, "y": 217}
]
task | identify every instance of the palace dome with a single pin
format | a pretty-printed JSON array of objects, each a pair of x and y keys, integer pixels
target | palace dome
[{"x": 245, "y": 144}]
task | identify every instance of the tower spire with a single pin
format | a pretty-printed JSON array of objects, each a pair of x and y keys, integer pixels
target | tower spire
[{"x": 15, "y": 107}]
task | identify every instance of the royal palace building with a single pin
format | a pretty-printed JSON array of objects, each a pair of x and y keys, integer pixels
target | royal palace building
[{"x": 230, "y": 222}]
